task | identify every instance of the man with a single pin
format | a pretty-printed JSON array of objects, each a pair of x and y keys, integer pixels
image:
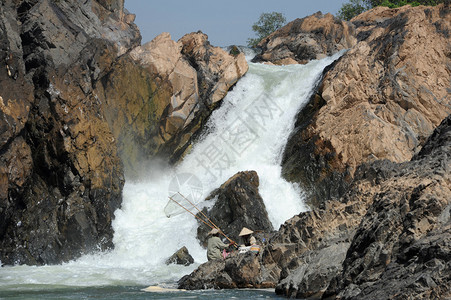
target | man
[{"x": 215, "y": 245}]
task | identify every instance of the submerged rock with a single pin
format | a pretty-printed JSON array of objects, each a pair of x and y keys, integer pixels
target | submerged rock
[
  {"x": 381, "y": 100},
  {"x": 181, "y": 257},
  {"x": 238, "y": 204}
]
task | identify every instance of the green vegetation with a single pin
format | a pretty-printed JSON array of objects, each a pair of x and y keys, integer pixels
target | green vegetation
[
  {"x": 266, "y": 24},
  {"x": 355, "y": 7}
]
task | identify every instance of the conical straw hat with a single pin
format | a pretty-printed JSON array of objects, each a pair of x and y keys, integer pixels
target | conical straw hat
[
  {"x": 213, "y": 231},
  {"x": 245, "y": 231}
]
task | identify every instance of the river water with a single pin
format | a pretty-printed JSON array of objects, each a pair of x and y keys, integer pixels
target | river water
[{"x": 248, "y": 132}]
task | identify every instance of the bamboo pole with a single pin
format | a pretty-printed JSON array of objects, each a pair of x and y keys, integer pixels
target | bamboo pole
[{"x": 209, "y": 225}]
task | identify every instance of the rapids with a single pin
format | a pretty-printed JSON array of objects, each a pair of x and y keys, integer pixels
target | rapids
[{"x": 248, "y": 132}]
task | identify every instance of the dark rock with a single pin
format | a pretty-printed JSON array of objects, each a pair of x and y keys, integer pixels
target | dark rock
[
  {"x": 238, "y": 271},
  {"x": 316, "y": 269},
  {"x": 74, "y": 105},
  {"x": 181, "y": 257},
  {"x": 238, "y": 204},
  {"x": 309, "y": 249},
  {"x": 204, "y": 277}
]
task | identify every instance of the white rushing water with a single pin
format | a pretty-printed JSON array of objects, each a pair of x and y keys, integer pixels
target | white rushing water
[{"x": 248, "y": 132}]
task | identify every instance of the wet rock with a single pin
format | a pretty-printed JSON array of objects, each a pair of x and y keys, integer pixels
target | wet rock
[
  {"x": 238, "y": 204},
  {"x": 381, "y": 100},
  {"x": 302, "y": 40},
  {"x": 204, "y": 277},
  {"x": 181, "y": 257}
]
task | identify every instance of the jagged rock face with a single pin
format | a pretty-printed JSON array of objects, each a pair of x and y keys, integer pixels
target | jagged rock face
[
  {"x": 61, "y": 178},
  {"x": 313, "y": 37},
  {"x": 238, "y": 204},
  {"x": 395, "y": 219},
  {"x": 381, "y": 100},
  {"x": 190, "y": 78}
]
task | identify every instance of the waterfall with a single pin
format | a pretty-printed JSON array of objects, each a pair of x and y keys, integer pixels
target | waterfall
[{"x": 248, "y": 132}]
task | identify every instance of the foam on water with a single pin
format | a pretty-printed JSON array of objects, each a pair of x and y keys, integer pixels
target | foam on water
[{"x": 248, "y": 132}]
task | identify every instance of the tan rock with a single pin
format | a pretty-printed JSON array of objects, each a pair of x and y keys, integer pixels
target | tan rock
[
  {"x": 191, "y": 77},
  {"x": 384, "y": 98},
  {"x": 381, "y": 100},
  {"x": 161, "y": 54}
]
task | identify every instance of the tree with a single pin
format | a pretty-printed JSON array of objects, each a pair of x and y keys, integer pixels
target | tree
[
  {"x": 266, "y": 24},
  {"x": 353, "y": 8}
]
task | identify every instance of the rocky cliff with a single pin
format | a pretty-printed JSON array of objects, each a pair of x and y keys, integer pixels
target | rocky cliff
[
  {"x": 61, "y": 176},
  {"x": 381, "y": 100},
  {"x": 389, "y": 235},
  {"x": 237, "y": 204},
  {"x": 81, "y": 104}
]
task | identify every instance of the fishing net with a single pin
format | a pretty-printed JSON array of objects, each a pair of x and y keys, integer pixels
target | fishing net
[
  {"x": 185, "y": 192},
  {"x": 178, "y": 204}
]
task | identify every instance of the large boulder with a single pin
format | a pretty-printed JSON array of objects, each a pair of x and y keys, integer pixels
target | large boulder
[
  {"x": 238, "y": 204},
  {"x": 239, "y": 271},
  {"x": 381, "y": 100},
  {"x": 312, "y": 37},
  {"x": 60, "y": 176}
]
